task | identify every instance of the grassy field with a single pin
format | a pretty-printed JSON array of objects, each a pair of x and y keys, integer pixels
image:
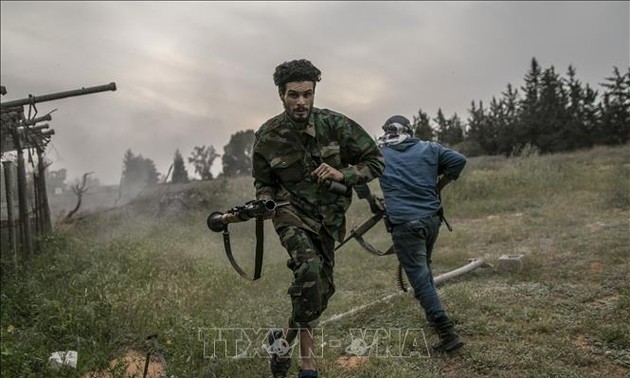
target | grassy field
[{"x": 103, "y": 284}]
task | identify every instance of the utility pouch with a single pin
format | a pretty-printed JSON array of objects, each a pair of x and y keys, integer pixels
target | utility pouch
[{"x": 306, "y": 302}]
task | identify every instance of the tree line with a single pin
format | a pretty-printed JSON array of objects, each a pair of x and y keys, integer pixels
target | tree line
[
  {"x": 236, "y": 161},
  {"x": 548, "y": 113},
  {"x": 139, "y": 171}
]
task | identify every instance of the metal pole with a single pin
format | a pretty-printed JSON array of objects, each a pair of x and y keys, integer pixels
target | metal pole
[{"x": 472, "y": 265}]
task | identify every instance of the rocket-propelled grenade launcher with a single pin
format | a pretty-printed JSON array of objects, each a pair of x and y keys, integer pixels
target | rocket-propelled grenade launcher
[
  {"x": 217, "y": 221},
  {"x": 258, "y": 209}
]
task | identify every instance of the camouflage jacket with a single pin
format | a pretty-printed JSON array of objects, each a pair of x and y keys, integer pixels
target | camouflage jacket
[{"x": 284, "y": 155}]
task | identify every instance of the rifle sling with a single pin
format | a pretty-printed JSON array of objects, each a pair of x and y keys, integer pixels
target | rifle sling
[
  {"x": 260, "y": 226},
  {"x": 259, "y": 250},
  {"x": 230, "y": 256},
  {"x": 370, "y": 248}
]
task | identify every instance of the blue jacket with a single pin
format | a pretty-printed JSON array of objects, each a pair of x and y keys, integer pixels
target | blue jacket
[{"x": 410, "y": 177}]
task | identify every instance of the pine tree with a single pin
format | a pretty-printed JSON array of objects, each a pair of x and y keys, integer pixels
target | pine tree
[
  {"x": 578, "y": 131},
  {"x": 477, "y": 127},
  {"x": 130, "y": 168},
  {"x": 506, "y": 130},
  {"x": 615, "y": 109},
  {"x": 180, "y": 175},
  {"x": 495, "y": 121},
  {"x": 529, "y": 121},
  {"x": 591, "y": 115},
  {"x": 455, "y": 133},
  {"x": 421, "y": 126},
  {"x": 442, "y": 127},
  {"x": 138, "y": 171},
  {"x": 450, "y": 131},
  {"x": 552, "y": 135}
]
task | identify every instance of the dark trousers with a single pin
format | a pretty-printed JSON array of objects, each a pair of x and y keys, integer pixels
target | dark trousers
[{"x": 413, "y": 243}]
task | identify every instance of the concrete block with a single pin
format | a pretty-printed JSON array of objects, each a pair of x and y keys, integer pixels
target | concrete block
[{"x": 510, "y": 263}]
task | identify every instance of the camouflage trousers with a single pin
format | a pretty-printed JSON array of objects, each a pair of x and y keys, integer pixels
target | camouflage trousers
[{"x": 312, "y": 261}]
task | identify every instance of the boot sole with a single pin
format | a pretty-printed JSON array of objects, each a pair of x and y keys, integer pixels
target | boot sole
[{"x": 449, "y": 347}]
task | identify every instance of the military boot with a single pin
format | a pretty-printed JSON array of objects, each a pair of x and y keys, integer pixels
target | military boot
[
  {"x": 278, "y": 346},
  {"x": 449, "y": 341}
]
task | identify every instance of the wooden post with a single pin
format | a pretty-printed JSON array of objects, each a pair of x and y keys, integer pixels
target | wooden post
[
  {"x": 16, "y": 107},
  {"x": 45, "y": 207},
  {"x": 25, "y": 224},
  {"x": 8, "y": 181},
  {"x": 37, "y": 208}
]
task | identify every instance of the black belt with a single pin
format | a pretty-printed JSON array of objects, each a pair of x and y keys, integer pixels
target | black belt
[{"x": 439, "y": 213}]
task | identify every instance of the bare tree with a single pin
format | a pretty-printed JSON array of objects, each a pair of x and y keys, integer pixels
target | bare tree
[{"x": 78, "y": 189}]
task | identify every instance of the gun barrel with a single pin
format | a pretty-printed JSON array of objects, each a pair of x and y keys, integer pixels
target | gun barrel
[
  {"x": 58, "y": 95},
  {"x": 270, "y": 205}
]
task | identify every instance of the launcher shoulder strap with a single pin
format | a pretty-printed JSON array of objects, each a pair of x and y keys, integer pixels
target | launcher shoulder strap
[
  {"x": 259, "y": 251},
  {"x": 260, "y": 241}
]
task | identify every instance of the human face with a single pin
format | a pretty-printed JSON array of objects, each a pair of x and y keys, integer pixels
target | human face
[{"x": 298, "y": 100}]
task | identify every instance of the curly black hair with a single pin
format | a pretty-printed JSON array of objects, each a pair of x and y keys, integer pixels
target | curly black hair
[{"x": 296, "y": 70}]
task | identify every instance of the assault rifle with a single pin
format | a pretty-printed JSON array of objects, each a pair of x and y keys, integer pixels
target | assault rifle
[
  {"x": 377, "y": 206},
  {"x": 258, "y": 209}
]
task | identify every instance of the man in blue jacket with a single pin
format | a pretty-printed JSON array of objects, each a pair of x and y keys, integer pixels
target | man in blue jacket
[{"x": 415, "y": 173}]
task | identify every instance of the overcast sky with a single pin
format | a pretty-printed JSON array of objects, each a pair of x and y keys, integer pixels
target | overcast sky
[{"x": 194, "y": 73}]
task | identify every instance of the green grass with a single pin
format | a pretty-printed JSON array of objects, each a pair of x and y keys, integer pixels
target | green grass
[{"x": 102, "y": 284}]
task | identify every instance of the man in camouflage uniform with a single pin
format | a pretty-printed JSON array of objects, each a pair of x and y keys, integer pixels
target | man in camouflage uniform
[{"x": 302, "y": 156}]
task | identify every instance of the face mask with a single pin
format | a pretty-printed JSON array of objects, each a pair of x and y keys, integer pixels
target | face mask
[{"x": 390, "y": 139}]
